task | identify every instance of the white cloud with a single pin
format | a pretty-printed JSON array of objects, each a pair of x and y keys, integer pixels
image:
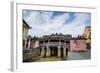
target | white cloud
[{"x": 42, "y": 23}]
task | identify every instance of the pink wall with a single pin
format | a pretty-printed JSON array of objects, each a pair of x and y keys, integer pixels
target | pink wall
[
  {"x": 34, "y": 44},
  {"x": 78, "y": 45}
]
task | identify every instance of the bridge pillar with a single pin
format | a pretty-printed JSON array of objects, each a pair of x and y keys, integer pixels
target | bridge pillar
[
  {"x": 29, "y": 42},
  {"x": 64, "y": 52},
  {"x": 59, "y": 51},
  {"x": 25, "y": 43},
  {"x": 48, "y": 51},
  {"x": 42, "y": 52}
]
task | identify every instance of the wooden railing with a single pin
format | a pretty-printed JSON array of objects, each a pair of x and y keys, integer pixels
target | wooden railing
[{"x": 54, "y": 44}]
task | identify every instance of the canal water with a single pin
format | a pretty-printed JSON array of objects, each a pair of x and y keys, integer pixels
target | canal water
[
  {"x": 71, "y": 56},
  {"x": 79, "y": 55}
]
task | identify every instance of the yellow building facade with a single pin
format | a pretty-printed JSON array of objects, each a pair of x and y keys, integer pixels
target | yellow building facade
[
  {"x": 87, "y": 35},
  {"x": 26, "y": 28}
]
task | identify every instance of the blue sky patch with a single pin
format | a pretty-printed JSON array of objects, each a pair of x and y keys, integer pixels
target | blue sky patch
[{"x": 47, "y": 22}]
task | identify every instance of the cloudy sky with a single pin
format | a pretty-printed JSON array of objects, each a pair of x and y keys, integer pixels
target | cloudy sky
[{"x": 47, "y": 22}]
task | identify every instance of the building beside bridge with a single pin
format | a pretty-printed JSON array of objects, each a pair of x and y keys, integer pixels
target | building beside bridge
[
  {"x": 87, "y": 36},
  {"x": 78, "y": 44},
  {"x": 26, "y": 28}
]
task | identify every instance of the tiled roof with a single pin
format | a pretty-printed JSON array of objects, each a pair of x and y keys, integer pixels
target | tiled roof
[{"x": 25, "y": 24}]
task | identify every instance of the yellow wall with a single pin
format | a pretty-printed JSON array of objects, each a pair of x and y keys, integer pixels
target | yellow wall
[
  {"x": 25, "y": 32},
  {"x": 25, "y": 35},
  {"x": 87, "y": 34}
]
